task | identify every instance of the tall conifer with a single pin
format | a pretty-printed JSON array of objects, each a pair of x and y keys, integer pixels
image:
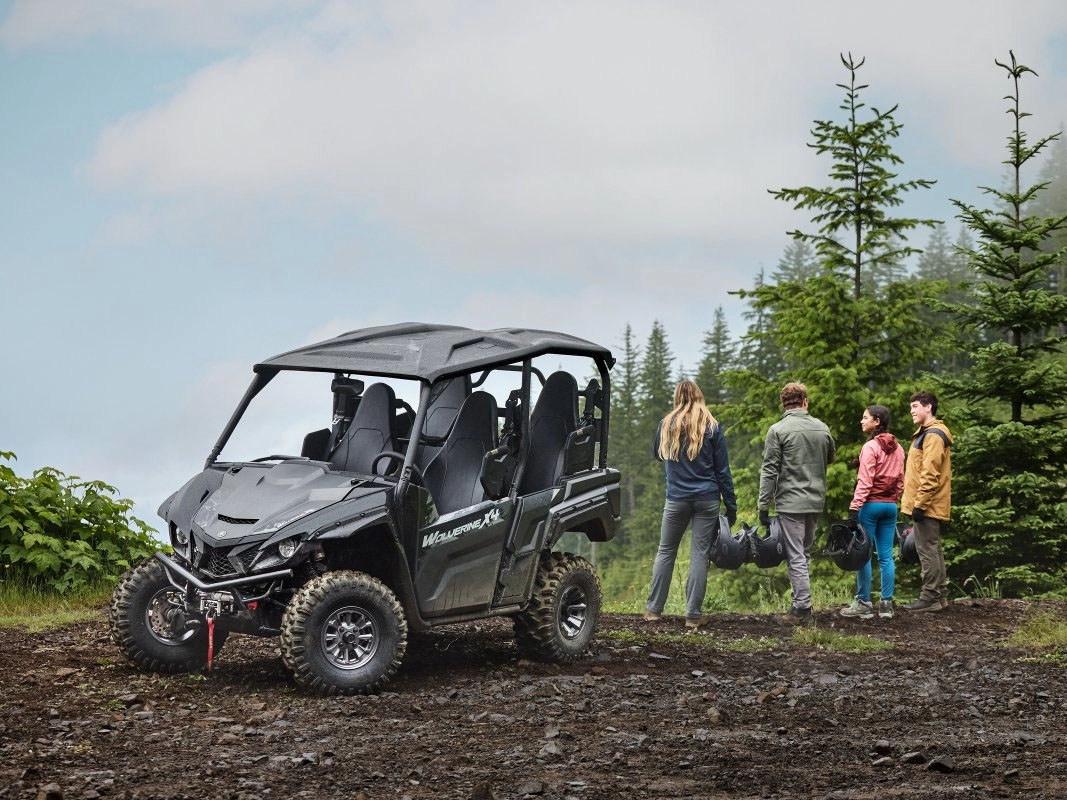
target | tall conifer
[
  {"x": 1011, "y": 464},
  {"x": 717, "y": 356}
]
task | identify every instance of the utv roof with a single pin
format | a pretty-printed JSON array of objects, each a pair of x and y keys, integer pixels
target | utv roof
[{"x": 428, "y": 352}]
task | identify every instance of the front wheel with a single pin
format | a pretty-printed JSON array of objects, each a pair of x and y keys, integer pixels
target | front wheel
[
  {"x": 560, "y": 621},
  {"x": 343, "y": 633},
  {"x": 150, "y": 625}
]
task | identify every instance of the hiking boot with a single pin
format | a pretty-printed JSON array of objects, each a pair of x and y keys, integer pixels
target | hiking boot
[
  {"x": 859, "y": 608},
  {"x": 916, "y": 606},
  {"x": 945, "y": 602},
  {"x": 796, "y": 616},
  {"x": 693, "y": 623},
  {"x": 652, "y": 616},
  {"x": 885, "y": 609}
]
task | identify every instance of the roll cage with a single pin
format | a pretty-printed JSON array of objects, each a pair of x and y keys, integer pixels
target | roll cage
[{"x": 434, "y": 355}]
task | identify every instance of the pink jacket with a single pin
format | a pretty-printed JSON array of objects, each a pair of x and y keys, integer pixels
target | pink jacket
[{"x": 881, "y": 477}]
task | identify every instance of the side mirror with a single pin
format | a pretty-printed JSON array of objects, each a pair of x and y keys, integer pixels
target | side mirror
[{"x": 316, "y": 445}]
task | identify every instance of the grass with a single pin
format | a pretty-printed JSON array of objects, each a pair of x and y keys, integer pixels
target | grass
[
  {"x": 745, "y": 644},
  {"x": 835, "y": 642},
  {"x": 36, "y": 608},
  {"x": 1040, "y": 632}
]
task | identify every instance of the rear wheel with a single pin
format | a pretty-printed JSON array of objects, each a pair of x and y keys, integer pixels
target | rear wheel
[
  {"x": 343, "y": 633},
  {"x": 560, "y": 621},
  {"x": 149, "y": 623}
]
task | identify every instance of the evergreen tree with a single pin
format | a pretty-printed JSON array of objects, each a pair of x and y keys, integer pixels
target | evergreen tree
[
  {"x": 624, "y": 447},
  {"x": 856, "y": 231},
  {"x": 936, "y": 260},
  {"x": 759, "y": 353},
  {"x": 1052, "y": 202},
  {"x": 717, "y": 356},
  {"x": 1011, "y": 464},
  {"x": 797, "y": 264}
]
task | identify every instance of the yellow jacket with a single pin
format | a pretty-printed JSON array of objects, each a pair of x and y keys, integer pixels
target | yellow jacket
[{"x": 928, "y": 473}]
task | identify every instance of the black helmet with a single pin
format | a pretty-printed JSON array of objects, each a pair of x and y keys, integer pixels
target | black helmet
[
  {"x": 906, "y": 539},
  {"x": 850, "y": 546},
  {"x": 768, "y": 551},
  {"x": 729, "y": 550}
]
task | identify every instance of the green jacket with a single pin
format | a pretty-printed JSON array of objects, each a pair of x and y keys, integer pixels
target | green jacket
[{"x": 795, "y": 455}]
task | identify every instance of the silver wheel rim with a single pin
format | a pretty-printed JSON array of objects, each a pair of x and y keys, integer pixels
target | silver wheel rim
[
  {"x": 350, "y": 637},
  {"x": 159, "y": 615},
  {"x": 572, "y": 612}
]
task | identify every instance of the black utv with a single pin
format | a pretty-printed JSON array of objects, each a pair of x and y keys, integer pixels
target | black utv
[{"x": 395, "y": 518}]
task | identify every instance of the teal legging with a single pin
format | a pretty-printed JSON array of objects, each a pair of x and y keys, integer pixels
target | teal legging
[{"x": 880, "y": 521}]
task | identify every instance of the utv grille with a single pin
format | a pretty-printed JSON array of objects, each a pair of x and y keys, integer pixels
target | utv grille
[
  {"x": 215, "y": 562},
  {"x": 247, "y": 557},
  {"x": 237, "y": 520}
]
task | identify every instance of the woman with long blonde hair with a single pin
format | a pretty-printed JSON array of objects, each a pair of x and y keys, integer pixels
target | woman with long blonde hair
[{"x": 691, "y": 445}]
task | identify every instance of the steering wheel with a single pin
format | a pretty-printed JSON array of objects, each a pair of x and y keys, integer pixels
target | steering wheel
[{"x": 399, "y": 459}]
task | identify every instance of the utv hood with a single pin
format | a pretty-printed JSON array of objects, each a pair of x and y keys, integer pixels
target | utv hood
[{"x": 254, "y": 501}]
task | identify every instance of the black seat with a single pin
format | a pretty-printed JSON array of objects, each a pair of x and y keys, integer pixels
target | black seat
[
  {"x": 369, "y": 434},
  {"x": 446, "y": 398},
  {"x": 453, "y": 476},
  {"x": 554, "y": 418}
]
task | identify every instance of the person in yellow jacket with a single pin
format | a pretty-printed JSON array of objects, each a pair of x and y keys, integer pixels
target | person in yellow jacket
[{"x": 928, "y": 498}]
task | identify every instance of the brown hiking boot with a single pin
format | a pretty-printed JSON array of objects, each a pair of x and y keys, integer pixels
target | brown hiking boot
[
  {"x": 920, "y": 605},
  {"x": 694, "y": 623},
  {"x": 797, "y": 616},
  {"x": 651, "y": 616}
]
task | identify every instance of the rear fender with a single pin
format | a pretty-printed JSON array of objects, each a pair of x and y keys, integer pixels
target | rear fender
[{"x": 589, "y": 505}]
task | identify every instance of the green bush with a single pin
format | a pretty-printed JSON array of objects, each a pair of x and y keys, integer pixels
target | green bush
[{"x": 61, "y": 532}]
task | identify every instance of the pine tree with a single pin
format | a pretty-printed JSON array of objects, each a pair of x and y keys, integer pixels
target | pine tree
[
  {"x": 717, "y": 357},
  {"x": 759, "y": 353},
  {"x": 624, "y": 418},
  {"x": 797, "y": 264},
  {"x": 856, "y": 231},
  {"x": 1052, "y": 202},
  {"x": 1011, "y": 464}
]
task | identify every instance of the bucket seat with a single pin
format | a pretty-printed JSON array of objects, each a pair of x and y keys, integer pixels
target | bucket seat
[
  {"x": 453, "y": 476},
  {"x": 370, "y": 432}
]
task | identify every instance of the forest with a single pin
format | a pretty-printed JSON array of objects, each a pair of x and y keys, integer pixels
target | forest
[{"x": 862, "y": 315}]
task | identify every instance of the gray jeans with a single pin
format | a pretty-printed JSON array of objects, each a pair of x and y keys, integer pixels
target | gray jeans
[
  {"x": 798, "y": 531},
  {"x": 676, "y": 517}
]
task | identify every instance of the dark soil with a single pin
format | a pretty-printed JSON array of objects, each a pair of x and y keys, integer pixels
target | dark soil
[{"x": 642, "y": 716}]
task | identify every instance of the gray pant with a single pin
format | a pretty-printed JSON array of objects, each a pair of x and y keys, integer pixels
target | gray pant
[
  {"x": 798, "y": 531},
  {"x": 676, "y": 516},
  {"x": 928, "y": 546}
]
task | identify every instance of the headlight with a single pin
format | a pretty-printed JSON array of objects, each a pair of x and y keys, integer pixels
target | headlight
[
  {"x": 287, "y": 548},
  {"x": 180, "y": 536}
]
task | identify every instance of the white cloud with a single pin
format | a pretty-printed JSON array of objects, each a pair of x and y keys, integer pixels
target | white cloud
[{"x": 555, "y": 131}]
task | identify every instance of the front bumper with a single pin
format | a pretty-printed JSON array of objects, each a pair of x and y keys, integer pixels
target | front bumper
[{"x": 174, "y": 568}]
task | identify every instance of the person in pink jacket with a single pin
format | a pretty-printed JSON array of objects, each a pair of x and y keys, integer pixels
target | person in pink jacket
[{"x": 874, "y": 505}]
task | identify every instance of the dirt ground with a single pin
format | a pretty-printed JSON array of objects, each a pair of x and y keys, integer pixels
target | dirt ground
[{"x": 947, "y": 712}]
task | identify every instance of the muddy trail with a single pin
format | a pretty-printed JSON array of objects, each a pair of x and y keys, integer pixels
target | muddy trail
[{"x": 741, "y": 710}]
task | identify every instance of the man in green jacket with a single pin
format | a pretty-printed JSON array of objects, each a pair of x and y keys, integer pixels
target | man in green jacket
[{"x": 797, "y": 449}]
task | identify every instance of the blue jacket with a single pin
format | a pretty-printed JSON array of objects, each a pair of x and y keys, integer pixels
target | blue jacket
[{"x": 707, "y": 477}]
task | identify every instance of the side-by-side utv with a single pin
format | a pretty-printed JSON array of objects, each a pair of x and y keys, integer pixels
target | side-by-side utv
[{"x": 393, "y": 519}]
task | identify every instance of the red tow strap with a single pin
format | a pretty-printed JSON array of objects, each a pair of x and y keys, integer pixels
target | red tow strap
[{"x": 210, "y": 640}]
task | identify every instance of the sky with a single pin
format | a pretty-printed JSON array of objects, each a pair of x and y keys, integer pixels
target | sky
[{"x": 193, "y": 187}]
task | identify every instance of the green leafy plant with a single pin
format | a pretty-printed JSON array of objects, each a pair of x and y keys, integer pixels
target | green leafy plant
[{"x": 60, "y": 532}]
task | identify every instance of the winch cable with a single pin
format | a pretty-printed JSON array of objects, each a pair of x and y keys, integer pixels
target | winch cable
[{"x": 210, "y": 639}]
